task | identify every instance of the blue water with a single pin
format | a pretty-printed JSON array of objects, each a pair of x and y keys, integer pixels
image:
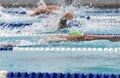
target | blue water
[
  {"x": 86, "y": 62},
  {"x": 58, "y": 61}
]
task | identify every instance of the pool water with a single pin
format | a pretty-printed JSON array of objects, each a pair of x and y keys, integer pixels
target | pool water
[
  {"x": 61, "y": 62},
  {"x": 100, "y": 22}
]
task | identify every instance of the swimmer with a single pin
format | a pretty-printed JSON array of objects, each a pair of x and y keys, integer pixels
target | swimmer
[
  {"x": 78, "y": 36},
  {"x": 64, "y": 19},
  {"x": 50, "y": 9}
]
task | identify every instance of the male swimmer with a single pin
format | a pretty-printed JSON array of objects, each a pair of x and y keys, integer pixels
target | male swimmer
[
  {"x": 50, "y": 9},
  {"x": 78, "y": 36}
]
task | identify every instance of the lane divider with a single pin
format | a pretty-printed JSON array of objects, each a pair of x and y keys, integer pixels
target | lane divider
[
  {"x": 6, "y": 74},
  {"x": 107, "y": 24},
  {"x": 12, "y": 11},
  {"x": 26, "y": 34},
  {"x": 59, "y": 49},
  {"x": 65, "y": 49},
  {"x": 96, "y": 17},
  {"x": 21, "y": 35},
  {"x": 100, "y": 17},
  {"x": 105, "y": 11},
  {"x": 6, "y": 48},
  {"x": 19, "y": 24}
]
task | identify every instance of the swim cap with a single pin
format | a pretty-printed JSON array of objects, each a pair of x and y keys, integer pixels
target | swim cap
[
  {"x": 75, "y": 33},
  {"x": 74, "y": 23},
  {"x": 68, "y": 16}
]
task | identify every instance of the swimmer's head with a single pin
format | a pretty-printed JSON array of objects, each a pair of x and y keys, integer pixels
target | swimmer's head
[
  {"x": 75, "y": 33},
  {"x": 68, "y": 16}
]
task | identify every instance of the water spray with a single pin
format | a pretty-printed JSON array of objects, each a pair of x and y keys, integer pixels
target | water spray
[{"x": 41, "y": 3}]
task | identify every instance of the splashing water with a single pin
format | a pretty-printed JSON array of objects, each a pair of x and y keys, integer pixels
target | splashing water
[
  {"x": 41, "y": 3},
  {"x": 49, "y": 23}
]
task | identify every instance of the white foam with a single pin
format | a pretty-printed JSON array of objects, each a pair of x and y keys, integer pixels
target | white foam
[{"x": 41, "y": 3}]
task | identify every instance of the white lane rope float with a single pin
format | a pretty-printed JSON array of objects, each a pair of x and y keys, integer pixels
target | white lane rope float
[
  {"x": 21, "y": 49},
  {"x": 25, "y": 35},
  {"x": 103, "y": 11},
  {"x": 40, "y": 35},
  {"x": 67, "y": 49}
]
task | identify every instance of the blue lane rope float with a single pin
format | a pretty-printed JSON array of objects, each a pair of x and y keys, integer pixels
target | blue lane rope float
[
  {"x": 20, "y": 23},
  {"x": 17, "y": 12},
  {"x": 15, "y": 24},
  {"x": 86, "y": 17},
  {"x": 13, "y": 12},
  {"x": 59, "y": 75},
  {"x": 6, "y": 49}
]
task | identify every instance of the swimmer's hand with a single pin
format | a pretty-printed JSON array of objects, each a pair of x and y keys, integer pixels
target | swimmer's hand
[{"x": 115, "y": 39}]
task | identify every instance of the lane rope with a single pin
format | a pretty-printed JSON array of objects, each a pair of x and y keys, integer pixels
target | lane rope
[
  {"x": 27, "y": 34},
  {"x": 6, "y": 74},
  {"x": 59, "y": 49}
]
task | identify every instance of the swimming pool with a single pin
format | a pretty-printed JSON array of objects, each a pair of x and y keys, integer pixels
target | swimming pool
[{"x": 98, "y": 56}]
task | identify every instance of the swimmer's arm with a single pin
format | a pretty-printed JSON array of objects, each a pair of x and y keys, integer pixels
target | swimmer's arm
[
  {"x": 112, "y": 38},
  {"x": 90, "y": 37},
  {"x": 44, "y": 11},
  {"x": 54, "y": 38},
  {"x": 57, "y": 38},
  {"x": 69, "y": 37}
]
